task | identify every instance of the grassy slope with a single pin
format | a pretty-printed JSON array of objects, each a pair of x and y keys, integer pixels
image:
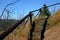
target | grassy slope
[
  {"x": 53, "y": 33},
  {"x": 20, "y": 33},
  {"x": 54, "y": 19}
]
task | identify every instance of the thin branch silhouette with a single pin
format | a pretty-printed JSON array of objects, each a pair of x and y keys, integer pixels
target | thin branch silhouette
[{"x": 7, "y": 7}]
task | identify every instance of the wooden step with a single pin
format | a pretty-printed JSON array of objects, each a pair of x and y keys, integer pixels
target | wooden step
[
  {"x": 36, "y": 34},
  {"x": 40, "y": 21},
  {"x": 34, "y": 38},
  {"x": 37, "y": 30}
]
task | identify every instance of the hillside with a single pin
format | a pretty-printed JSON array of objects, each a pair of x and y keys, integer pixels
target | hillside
[
  {"x": 20, "y": 33},
  {"x": 54, "y": 19},
  {"x": 52, "y": 30},
  {"x": 4, "y": 23},
  {"x": 53, "y": 33}
]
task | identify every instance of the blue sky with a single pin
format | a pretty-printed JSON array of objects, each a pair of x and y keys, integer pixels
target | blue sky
[{"x": 23, "y": 7}]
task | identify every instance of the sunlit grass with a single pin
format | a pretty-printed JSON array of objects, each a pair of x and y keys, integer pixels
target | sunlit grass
[{"x": 54, "y": 19}]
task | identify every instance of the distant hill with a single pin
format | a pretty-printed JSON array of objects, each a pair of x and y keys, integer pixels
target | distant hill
[{"x": 4, "y": 23}]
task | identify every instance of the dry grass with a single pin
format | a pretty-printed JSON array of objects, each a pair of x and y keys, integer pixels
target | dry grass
[
  {"x": 53, "y": 33},
  {"x": 54, "y": 19},
  {"x": 21, "y": 33}
]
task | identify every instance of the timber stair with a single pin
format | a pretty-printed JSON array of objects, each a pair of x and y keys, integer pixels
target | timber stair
[{"x": 37, "y": 30}]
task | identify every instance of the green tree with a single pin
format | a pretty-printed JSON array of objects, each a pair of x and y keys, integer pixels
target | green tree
[{"x": 45, "y": 11}]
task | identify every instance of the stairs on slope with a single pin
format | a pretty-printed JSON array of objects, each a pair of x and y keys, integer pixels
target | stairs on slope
[{"x": 37, "y": 30}]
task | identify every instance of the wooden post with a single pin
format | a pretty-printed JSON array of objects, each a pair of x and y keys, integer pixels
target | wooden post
[
  {"x": 40, "y": 15},
  {"x": 31, "y": 26}
]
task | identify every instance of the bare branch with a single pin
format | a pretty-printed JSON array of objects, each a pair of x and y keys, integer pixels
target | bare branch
[{"x": 7, "y": 7}]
